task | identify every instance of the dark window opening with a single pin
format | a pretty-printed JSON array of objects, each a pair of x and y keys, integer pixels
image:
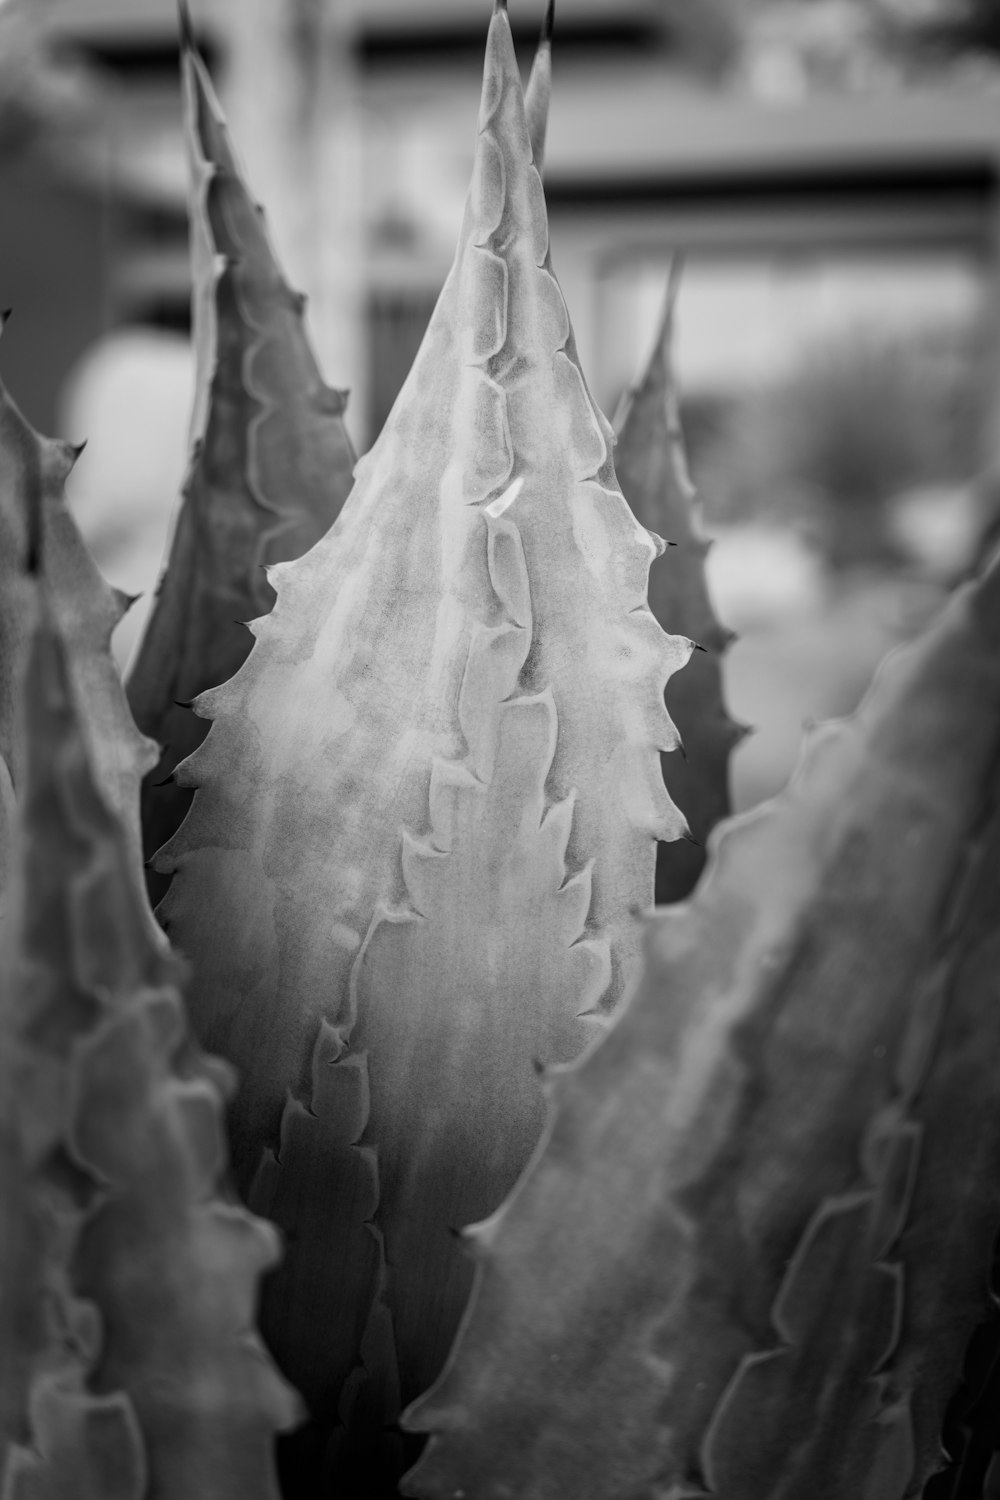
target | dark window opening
[
  {"x": 460, "y": 44},
  {"x": 137, "y": 61}
]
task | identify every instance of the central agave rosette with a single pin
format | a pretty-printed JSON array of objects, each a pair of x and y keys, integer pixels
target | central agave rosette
[{"x": 428, "y": 804}]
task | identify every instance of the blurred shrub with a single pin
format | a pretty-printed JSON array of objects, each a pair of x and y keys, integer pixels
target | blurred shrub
[{"x": 856, "y": 423}]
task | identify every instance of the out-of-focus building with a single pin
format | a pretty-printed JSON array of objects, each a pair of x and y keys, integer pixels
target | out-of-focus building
[
  {"x": 807, "y": 205},
  {"x": 645, "y": 156}
]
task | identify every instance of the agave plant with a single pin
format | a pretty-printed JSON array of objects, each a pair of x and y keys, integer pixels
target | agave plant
[{"x": 605, "y": 1203}]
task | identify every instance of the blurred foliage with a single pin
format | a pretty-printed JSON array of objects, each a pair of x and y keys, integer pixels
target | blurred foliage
[
  {"x": 706, "y": 35},
  {"x": 790, "y": 46},
  {"x": 857, "y": 423},
  {"x": 945, "y": 27}
]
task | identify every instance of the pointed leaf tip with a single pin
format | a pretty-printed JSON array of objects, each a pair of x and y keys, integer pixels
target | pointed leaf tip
[
  {"x": 186, "y": 26},
  {"x": 538, "y": 93},
  {"x": 548, "y": 24}
]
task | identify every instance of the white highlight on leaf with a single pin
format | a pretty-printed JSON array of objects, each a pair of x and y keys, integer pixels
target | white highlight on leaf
[
  {"x": 503, "y": 502},
  {"x": 345, "y": 937}
]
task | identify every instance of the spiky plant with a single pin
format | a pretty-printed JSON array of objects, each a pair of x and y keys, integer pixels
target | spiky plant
[{"x": 734, "y": 1168}]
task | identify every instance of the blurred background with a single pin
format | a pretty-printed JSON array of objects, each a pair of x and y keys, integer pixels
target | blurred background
[{"x": 830, "y": 169}]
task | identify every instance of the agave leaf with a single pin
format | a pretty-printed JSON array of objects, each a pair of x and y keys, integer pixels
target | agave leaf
[
  {"x": 130, "y": 1366},
  {"x": 653, "y": 473},
  {"x": 948, "y": 1244},
  {"x": 270, "y": 467},
  {"x": 33, "y": 472},
  {"x": 486, "y": 554},
  {"x": 726, "y": 1251},
  {"x": 538, "y": 93}
]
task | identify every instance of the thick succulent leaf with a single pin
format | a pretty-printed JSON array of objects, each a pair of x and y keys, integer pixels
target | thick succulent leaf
[
  {"x": 874, "y": 1385},
  {"x": 486, "y": 556},
  {"x": 725, "y": 1254},
  {"x": 948, "y": 1246},
  {"x": 653, "y": 473},
  {"x": 130, "y": 1366},
  {"x": 270, "y": 468},
  {"x": 538, "y": 93},
  {"x": 33, "y": 471}
]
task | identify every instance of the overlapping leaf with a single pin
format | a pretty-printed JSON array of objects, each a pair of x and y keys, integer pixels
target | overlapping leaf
[
  {"x": 33, "y": 471},
  {"x": 128, "y": 1362},
  {"x": 463, "y": 673},
  {"x": 652, "y": 470},
  {"x": 759, "y": 1233},
  {"x": 271, "y": 464}
]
